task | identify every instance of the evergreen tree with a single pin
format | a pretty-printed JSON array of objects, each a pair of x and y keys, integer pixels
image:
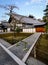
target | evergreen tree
[{"x": 45, "y": 17}]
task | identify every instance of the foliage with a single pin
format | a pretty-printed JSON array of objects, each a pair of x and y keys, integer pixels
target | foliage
[
  {"x": 46, "y": 13},
  {"x": 40, "y": 20},
  {"x": 18, "y": 29},
  {"x": 25, "y": 45},
  {"x": 45, "y": 17}
]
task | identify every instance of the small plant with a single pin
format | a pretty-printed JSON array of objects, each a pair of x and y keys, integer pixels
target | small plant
[
  {"x": 18, "y": 30},
  {"x": 25, "y": 45},
  {"x": 17, "y": 44}
]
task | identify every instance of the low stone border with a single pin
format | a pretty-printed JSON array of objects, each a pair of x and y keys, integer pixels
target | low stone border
[{"x": 27, "y": 54}]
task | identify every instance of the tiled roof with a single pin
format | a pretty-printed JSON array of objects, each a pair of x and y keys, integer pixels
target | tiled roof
[
  {"x": 6, "y": 24},
  {"x": 28, "y": 20}
]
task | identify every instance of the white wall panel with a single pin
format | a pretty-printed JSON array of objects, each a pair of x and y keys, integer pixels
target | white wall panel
[{"x": 29, "y": 30}]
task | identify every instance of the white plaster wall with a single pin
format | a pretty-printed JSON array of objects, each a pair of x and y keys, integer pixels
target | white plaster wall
[
  {"x": 33, "y": 30},
  {"x": 1, "y": 30},
  {"x": 8, "y": 29}
]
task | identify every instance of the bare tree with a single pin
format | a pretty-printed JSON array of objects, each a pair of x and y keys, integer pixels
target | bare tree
[
  {"x": 10, "y": 13},
  {"x": 10, "y": 8}
]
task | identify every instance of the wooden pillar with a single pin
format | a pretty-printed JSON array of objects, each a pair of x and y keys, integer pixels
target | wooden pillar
[{"x": 34, "y": 51}]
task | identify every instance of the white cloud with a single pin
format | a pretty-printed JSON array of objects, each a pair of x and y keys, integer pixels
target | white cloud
[
  {"x": 36, "y": 1},
  {"x": 33, "y": 1},
  {"x": 27, "y": 3}
]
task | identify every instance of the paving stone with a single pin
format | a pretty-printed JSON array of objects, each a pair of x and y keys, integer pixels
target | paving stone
[
  {"x": 6, "y": 44},
  {"x": 5, "y": 59}
]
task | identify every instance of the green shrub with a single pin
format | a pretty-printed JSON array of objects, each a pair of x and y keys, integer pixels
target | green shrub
[{"x": 18, "y": 30}]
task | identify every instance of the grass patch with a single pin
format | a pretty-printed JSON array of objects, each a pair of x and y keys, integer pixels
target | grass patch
[
  {"x": 42, "y": 49},
  {"x": 12, "y": 34},
  {"x": 14, "y": 38}
]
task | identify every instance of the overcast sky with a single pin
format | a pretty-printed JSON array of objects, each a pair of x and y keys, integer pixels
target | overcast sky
[{"x": 26, "y": 7}]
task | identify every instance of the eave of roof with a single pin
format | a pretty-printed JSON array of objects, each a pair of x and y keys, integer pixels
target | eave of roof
[{"x": 6, "y": 24}]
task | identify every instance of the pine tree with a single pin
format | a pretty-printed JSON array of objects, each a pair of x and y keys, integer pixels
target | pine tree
[
  {"x": 46, "y": 12},
  {"x": 45, "y": 17}
]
